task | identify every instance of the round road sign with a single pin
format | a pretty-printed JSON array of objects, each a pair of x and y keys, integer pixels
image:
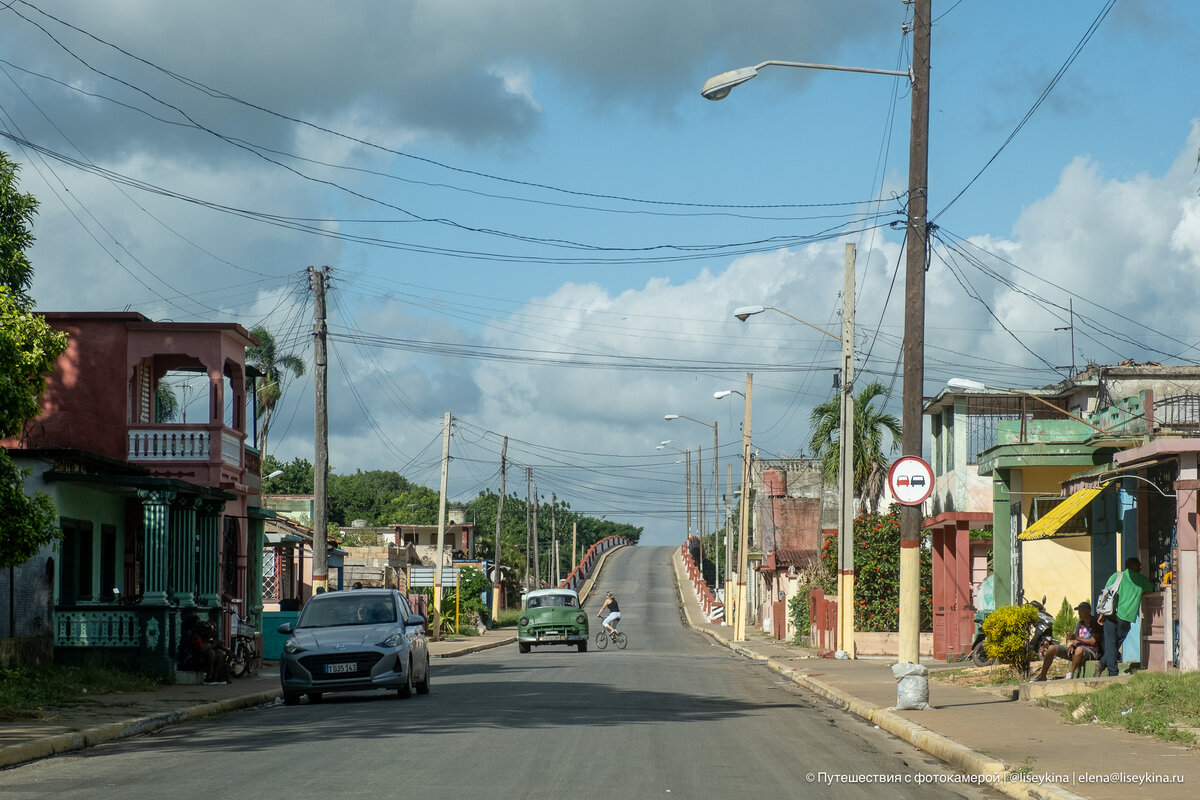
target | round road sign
[{"x": 911, "y": 480}]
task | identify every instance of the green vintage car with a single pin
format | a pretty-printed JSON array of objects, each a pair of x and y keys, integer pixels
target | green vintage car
[{"x": 552, "y": 616}]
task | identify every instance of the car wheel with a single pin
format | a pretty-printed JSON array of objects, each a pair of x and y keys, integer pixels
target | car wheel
[
  {"x": 405, "y": 691},
  {"x": 523, "y": 647},
  {"x": 290, "y": 699},
  {"x": 423, "y": 685},
  {"x": 314, "y": 697},
  {"x": 583, "y": 646}
]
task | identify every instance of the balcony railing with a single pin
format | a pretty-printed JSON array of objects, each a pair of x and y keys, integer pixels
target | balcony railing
[
  {"x": 175, "y": 443},
  {"x": 100, "y": 628}
]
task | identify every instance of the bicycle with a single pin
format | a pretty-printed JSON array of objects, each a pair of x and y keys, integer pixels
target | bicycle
[
  {"x": 242, "y": 656},
  {"x": 618, "y": 638}
]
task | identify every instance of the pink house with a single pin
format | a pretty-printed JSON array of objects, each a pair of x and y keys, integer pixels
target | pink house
[{"x": 160, "y": 518}]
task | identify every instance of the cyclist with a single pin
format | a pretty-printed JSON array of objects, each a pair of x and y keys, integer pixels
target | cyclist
[{"x": 614, "y": 612}]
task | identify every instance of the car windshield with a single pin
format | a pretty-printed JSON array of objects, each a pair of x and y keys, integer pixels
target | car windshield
[
  {"x": 553, "y": 601},
  {"x": 347, "y": 609}
]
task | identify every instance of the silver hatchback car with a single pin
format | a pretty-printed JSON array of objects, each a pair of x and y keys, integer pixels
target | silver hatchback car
[{"x": 354, "y": 641}]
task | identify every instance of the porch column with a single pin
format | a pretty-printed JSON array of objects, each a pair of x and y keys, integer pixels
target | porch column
[
  {"x": 183, "y": 551},
  {"x": 208, "y": 524},
  {"x": 1187, "y": 562},
  {"x": 1002, "y": 538},
  {"x": 156, "y": 514}
]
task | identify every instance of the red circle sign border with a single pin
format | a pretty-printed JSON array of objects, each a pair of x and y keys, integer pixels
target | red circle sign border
[{"x": 892, "y": 473}]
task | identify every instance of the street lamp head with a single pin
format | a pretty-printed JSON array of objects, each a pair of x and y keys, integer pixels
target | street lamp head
[
  {"x": 665, "y": 442},
  {"x": 718, "y": 87},
  {"x": 670, "y": 417},
  {"x": 747, "y": 311},
  {"x": 965, "y": 383},
  {"x": 721, "y": 395},
  {"x": 274, "y": 474}
]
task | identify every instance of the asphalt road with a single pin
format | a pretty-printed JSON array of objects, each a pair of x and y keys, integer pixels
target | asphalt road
[{"x": 673, "y": 716}]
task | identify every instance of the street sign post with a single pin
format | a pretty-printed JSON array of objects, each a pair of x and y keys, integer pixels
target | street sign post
[{"x": 911, "y": 480}]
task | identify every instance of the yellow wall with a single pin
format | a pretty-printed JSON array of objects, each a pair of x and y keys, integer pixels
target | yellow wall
[{"x": 1058, "y": 567}]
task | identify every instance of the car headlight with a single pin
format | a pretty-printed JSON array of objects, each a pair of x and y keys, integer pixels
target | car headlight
[
  {"x": 291, "y": 647},
  {"x": 392, "y": 641},
  {"x": 581, "y": 620},
  {"x": 523, "y": 621}
]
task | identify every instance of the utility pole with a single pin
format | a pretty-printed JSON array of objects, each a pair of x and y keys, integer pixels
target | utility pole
[
  {"x": 439, "y": 555},
  {"x": 496, "y": 581},
  {"x": 716, "y": 513},
  {"x": 574, "y": 534},
  {"x": 537, "y": 559},
  {"x": 914, "y": 329},
  {"x": 528, "y": 536},
  {"x": 554, "y": 574},
  {"x": 728, "y": 538},
  {"x": 687, "y": 492},
  {"x": 845, "y": 615},
  {"x": 318, "y": 281},
  {"x": 739, "y": 630}
]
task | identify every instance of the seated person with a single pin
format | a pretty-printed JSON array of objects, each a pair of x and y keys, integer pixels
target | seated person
[
  {"x": 199, "y": 650},
  {"x": 1083, "y": 643}
]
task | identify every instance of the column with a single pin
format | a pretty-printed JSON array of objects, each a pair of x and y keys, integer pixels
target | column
[
  {"x": 182, "y": 578},
  {"x": 155, "y": 517},
  {"x": 208, "y": 525}
]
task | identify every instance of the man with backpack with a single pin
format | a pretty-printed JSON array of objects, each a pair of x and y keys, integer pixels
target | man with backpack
[{"x": 1131, "y": 585}]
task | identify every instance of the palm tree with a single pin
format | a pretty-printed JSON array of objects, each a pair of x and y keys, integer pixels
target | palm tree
[
  {"x": 870, "y": 423},
  {"x": 274, "y": 368}
]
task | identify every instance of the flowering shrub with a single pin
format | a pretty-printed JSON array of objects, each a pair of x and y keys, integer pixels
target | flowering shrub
[
  {"x": 1007, "y": 630},
  {"x": 877, "y": 572}
]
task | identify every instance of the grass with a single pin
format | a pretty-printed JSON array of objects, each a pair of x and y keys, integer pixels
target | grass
[
  {"x": 1153, "y": 703},
  {"x": 26, "y": 692}
]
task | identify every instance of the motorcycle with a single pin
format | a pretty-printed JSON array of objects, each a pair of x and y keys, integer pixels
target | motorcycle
[{"x": 1041, "y": 636}]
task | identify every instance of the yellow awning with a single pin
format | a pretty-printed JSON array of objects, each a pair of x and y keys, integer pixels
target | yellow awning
[{"x": 1050, "y": 524}]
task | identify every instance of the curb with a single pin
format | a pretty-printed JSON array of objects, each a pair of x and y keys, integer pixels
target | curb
[
  {"x": 25, "y": 752},
  {"x": 957, "y": 755},
  {"x": 476, "y": 648}
]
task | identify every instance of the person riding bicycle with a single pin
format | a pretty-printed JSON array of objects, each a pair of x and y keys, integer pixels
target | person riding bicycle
[{"x": 614, "y": 612}]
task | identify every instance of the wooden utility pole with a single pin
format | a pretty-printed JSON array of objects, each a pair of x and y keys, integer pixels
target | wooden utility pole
[
  {"x": 528, "y": 529},
  {"x": 554, "y": 575},
  {"x": 914, "y": 329},
  {"x": 574, "y": 537},
  {"x": 537, "y": 563},
  {"x": 739, "y": 630},
  {"x": 318, "y": 281},
  {"x": 497, "y": 580},
  {"x": 438, "y": 555}
]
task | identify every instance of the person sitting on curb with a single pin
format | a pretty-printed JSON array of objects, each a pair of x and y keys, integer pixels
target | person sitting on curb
[{"x": 1083, "y": 643}]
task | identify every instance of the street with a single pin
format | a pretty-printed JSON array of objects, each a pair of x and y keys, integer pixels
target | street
[{"x": 671, "y": 716}]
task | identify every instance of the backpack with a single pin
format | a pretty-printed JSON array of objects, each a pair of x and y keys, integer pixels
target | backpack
[{"x": 1106, "y": 603}]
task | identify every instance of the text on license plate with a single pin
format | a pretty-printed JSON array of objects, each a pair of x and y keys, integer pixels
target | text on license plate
[{"x": 348, "y": 666}]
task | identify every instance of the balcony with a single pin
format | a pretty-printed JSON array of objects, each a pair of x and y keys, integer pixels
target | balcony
[{"x": 183, "y": 443}]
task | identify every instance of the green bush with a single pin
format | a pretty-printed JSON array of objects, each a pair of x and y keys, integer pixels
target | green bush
[
  {"x": 1007, "y": 631},
  {"x": 877, "y": 572}
]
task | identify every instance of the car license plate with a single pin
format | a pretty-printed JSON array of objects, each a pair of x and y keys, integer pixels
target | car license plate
[{"x": 348, "y": 666}]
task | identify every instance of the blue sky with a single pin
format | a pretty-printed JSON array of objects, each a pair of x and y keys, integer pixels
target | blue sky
[{"x": 541, "y": 227}]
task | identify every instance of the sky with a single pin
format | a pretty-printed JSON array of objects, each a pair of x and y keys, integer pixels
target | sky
[{"x": 533, "y": 220}]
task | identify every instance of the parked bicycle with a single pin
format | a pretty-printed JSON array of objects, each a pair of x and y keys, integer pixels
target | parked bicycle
[
  {"x": 618, "y": 638},
  {"x": 242, "y": 655}
]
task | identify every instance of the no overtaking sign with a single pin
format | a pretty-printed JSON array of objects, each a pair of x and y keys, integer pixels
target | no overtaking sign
[{"x": 911, "y": 480}]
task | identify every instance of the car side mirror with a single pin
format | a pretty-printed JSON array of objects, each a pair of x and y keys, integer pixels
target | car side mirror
[
  {"x": 414, "y": 619},
  {"x": 286, "y": 627}
]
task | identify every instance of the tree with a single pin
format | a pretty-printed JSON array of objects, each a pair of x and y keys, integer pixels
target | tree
[
  {"x": 29, "y": 348},
  {"x": 275, "y": 368},
  {"x": 870, "y": 424},
  {"x": 296, "y": 477}
]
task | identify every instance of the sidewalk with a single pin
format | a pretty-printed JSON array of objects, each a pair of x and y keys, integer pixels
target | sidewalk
[
  {"x": 982, "y": 732},
  {"x": 117, "y": 716}
]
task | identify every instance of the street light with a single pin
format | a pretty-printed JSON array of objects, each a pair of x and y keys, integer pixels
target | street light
[
  {"x": 739, "y": 615},
  {"x": 716, "y": 492},
  {"x": 845, "y": 543},
  {"x": 916, "y": 239},
  {"x": 687, "y": 484}
]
